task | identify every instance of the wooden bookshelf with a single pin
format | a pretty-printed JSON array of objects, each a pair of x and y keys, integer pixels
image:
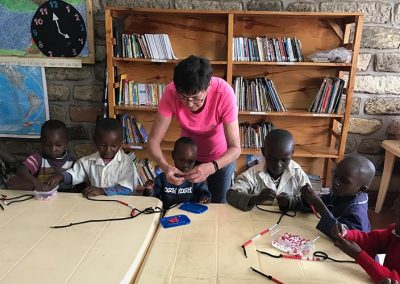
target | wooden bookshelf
[{"x": 320, "y": 138}]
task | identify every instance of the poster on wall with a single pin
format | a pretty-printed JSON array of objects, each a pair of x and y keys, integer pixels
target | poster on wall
[
  {"x": 23, "y": 101},
  {"x": 15, "y": 33}
]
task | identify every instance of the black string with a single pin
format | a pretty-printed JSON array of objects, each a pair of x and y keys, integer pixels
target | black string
[
  {"x": 325, "y": 256},
  {"x": 320, "y": 254},
  {"x": 17, "y": 199},
  {"x": 283, "y": 213},
  {"x": 146, "y": 211}
]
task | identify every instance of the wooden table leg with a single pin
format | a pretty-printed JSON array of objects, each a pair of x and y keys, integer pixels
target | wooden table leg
[{"x": 387, "y": 173}]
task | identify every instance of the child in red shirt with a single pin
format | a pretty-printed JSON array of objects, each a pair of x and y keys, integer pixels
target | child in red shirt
[{"x": 364, "y": 246}]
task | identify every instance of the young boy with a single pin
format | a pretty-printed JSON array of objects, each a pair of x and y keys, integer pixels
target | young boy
[
  {"x": 348, "y": 202},
  {"x": 364, "y": 246},
  {"x": 278, "y": 183},
  {"x": 184, "y": 156},
  {"x": 109, "y": 171},
  {"x": 54, "y": 158}
]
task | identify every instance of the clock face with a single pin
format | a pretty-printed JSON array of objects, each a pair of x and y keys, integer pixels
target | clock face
[{"x": 58, "y": 29}]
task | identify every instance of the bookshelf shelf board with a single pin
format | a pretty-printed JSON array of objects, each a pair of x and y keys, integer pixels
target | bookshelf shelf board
[
  {"x": 169, "y": 61},
  {"x": 313, "y": 64},
  {"x": 301, "y": 151},
  {"x": 133, "y": 108},
  {"x": 298, "y": 113}
]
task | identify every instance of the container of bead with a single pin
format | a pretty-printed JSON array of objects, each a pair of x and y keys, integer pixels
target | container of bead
[{"x": 294, "y": 243}]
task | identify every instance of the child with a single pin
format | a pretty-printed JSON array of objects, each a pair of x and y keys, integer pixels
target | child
[
  {"x": 364, "y": 246},
  {"x": 348, "y": 202},
  {"x": 184, "y": 156},
  {"x": 280, "y": 180},
  {"x": 109, "y": 171},
  {"x": 54, "y": 158}
]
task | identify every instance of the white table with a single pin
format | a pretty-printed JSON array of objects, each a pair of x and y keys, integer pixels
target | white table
[
  {"x": 106, "y": 252},
  {"x": 209, "y": 251}
]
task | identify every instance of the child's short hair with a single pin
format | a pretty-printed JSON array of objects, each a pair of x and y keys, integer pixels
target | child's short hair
[
  {"x": 365, "y": 167},
  {"x": 192, "y": 75},
  {"x": 184, "y": 140},
  {"x": 53, "y": 124},
  {"x": 278, "y": 136},
  {"x": 107, "y": 125}
]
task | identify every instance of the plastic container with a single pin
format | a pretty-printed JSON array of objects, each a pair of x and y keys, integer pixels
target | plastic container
[
  {"x": 175, "y": 221},
  {"x": 292, "y": 241},
  {"x": 45, "y": 195},
  {"x": 193, "y": 207}
]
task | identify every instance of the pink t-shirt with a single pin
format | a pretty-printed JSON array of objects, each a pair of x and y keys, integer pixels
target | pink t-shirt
[{"x": 206, "y": 127}]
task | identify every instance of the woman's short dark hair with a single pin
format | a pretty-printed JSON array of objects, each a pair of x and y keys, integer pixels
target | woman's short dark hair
[{"x": 192, "y": 75}]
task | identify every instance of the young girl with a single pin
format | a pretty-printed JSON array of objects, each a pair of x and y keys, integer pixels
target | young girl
[{"x": 364, "y": 246}]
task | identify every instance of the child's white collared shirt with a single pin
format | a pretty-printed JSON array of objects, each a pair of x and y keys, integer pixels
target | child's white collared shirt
[{"x": 119, "y": 171}]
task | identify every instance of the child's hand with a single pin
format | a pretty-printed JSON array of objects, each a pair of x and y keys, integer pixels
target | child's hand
[
  {"x": 205, "y": 199},
  {"x": 309, "y": 195},
  {"x": 55, "y": 180},
  {"x": 388, "y": 281},
  {"x": 338, "y": 231},
  {"x": 39, "y": 186},
  {"x": 348, "y": 247},
  {"x": 283, "y": 201},
  {"x": 93, "y": 191},
  {"x": 148, "y": 187},
  {"x": 266, "y": 194}
]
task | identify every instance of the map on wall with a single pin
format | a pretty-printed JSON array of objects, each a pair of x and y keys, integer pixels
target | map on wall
[
  {"x": 23, "y": 101},
  {"x": 15, "y": 23}
]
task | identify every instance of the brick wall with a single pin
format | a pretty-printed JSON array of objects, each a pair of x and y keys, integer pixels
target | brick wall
[{"x": 75, "y": 94}]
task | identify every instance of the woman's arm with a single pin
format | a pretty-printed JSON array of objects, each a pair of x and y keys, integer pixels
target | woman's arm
[
  {"x": 157, "y": 133},
  {"x": 202, "y": 171}
]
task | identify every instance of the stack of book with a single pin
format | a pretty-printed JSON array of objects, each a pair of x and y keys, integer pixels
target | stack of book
[
  {"x": 284, "y": 49},
  {"x": 252, "y": 135},
  {"x": 138, "y": 94},
  {"x": 328, "y": 97},
  {"x": 133, "y": 130},
  {"x": 146, "y": 169},
  {"x": 155, "y": 46},
  {"x": 258, "y": 94}
]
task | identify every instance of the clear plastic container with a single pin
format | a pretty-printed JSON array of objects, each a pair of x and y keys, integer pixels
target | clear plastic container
[
  {"x": 45, "y": 195},
  {"x": 292, "y": 241}
]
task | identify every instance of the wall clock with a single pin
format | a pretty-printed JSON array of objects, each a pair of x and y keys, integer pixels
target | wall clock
[{"x": 58, "y": 29}]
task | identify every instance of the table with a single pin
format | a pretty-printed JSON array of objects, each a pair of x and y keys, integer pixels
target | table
[
  {"x": 209, "y": 251},
  {"x": 392, "y": 150},
  {"x": 106, "y": 252}
]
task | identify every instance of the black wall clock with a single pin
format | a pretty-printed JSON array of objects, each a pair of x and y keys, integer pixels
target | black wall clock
[{"x": 58, "y": 29}]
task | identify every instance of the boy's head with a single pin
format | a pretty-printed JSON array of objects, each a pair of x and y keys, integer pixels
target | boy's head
[
  {"x": 278, "y": 151},
  {"x": 54, "y": 138},
  {"x": 184, "y": 154},
  {"x": 396, "y": 207},
  {"x": 108, "y": 137},
  {"x": 352, "y": 175}
]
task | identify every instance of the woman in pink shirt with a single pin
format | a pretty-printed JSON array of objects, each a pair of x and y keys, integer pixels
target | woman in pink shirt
[{"x": 205, "y": 108}]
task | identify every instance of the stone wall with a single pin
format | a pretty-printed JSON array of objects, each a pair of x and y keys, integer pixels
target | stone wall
[{"x": 75, "y": 94}]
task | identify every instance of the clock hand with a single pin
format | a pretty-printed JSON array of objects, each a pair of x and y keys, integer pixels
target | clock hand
[{"x": 55, "y": 19}]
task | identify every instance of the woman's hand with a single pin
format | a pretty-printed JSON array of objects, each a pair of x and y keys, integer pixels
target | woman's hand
[
  {"x": 200, "y": 173},
  {"x": 173, "y": 175}
]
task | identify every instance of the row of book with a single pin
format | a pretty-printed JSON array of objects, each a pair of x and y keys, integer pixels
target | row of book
[
  {"x": 146, "y": 169},
  {"x": 155, "y": 46},
  {"x": 252, "y": 135},
  {"x": 328, "y": 97},
  {"x": 284, "y": 49},
  {"x": 133, "y": 130},
  {"x": 257, "y": 94},
  {"x": 138, "y": 94}
]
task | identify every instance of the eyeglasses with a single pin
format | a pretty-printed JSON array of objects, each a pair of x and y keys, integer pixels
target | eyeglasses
[{"x": 198, "y": 98}]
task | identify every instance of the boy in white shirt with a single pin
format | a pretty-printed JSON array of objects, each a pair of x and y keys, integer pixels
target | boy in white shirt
[
  {"x": 278, "y": 183},
  {"x": 109, "y": 171}
]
